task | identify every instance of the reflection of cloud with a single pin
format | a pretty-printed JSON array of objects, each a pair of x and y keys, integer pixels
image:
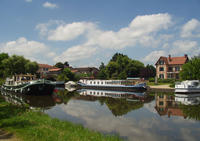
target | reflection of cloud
[
  {"x": 150, "y": 107},
  {"x": 99, "y": 118}
]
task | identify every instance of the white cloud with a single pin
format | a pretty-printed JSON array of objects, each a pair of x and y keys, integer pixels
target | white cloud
[
  {"x": 191, "y": 29},
  {"x": 184, "y": 47},
  {"x": 69, "y": 31},
  {"x": 32, "y": 50},
  {"x": 76, "y": 53},
  {"x": 50, "y": 5},
  {"x": 28, "y": 0},
  {"x": 154, "y": 56},
  {"x": 142, "y": 30}
]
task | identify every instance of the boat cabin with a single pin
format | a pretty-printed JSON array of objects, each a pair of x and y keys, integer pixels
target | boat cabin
[{"x": 20, "y": 79}]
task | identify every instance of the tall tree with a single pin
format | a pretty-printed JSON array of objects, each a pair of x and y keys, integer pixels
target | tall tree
[
  {"x": 191, "y": 70},
  {"x": 59, "y": 65}
]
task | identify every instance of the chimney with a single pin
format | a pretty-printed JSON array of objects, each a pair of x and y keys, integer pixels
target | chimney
[
  {"x": 185, "y": 55},
  {"x": 169, "y": 57}
]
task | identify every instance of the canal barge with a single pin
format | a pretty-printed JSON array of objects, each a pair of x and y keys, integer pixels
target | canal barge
[
  {"x": 27, "y": 84},
  {"x": 115, "y": 85},
  {"x": 188, "y": 87}
]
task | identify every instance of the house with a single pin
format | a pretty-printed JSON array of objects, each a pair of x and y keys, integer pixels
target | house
[
  {"x": 44, "y": 69},
  {"x": 86, "y": 70},
  {"x": 166, "y": 105},
  {"x": 169, "y": 67}
]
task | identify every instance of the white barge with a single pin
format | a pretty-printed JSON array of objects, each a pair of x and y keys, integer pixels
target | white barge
[
  {"x": 188, "y": 86},
  {"x": 116, "y": 85}
]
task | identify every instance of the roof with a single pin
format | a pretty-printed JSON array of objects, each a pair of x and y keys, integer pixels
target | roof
[
  {"x": 84, "y": 69},
  {"x": 174, "y": 60},
  {"x": 45, "y": 66},
  {"x": 54, "y": 69}
]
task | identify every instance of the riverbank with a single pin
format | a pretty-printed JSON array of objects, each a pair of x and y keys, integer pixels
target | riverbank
[
  {"x": 161, "y": 88},
  {"x": 29, "y": 125}
]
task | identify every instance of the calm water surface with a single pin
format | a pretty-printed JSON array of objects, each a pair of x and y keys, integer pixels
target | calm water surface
[{"x": 133, "y": 116}]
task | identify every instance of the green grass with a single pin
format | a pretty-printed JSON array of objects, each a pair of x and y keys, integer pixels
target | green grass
[
  {"x": 29, "y": 125},
  {"x": 154, "y": 84}
]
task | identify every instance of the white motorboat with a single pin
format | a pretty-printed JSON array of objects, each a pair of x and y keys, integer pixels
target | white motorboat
[{"x": 188, "y": 86}]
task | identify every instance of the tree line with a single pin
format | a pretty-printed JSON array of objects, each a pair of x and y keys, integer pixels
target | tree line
[
  {"x": 121, "y": 66},
  {"x": 10, "y": 65}
]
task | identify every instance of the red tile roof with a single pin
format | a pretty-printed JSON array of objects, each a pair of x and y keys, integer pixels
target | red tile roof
[
  {"x": 54, "y": 69},
  {"x": 45, "y": 66},
  {"x": 174, "y": 60}
]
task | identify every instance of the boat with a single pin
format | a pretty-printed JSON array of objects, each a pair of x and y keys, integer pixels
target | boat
[
  {"x": 188, "y": 86},
  {"x": 115, "y": 85},
  {"x": 113, "y": 94},
  {"x": 70, "y": 86},
  {"x": 27, "y": 84},
  {"x": 188, "y": 99}
]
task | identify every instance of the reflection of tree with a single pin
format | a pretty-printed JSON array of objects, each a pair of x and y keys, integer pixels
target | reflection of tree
[
  {"x": 66, "y": 95},
  {"x": 191, "y": 111},
  {"x": 121, "y": 106}
]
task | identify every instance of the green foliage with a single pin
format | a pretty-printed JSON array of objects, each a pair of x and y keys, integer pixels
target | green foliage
[
  {"x": 16, "y": 65},
  {"x": 59, "y": 65},
  {"x": 191, "y": 111},
  {"x": 191, "y": 70},
  {"x": 120, "y": 67},
  {"x": 66, "y": 75}
]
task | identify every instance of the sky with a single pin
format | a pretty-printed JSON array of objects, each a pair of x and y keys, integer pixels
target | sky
[{"x": 88, "y": 32}]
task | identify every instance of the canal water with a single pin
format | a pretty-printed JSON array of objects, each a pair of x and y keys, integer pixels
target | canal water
[{"x": 132, "y": 116}]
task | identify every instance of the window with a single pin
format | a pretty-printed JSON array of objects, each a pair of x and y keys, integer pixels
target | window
[
  {"x": 161, "y": 76},
  {"x": 101, "y": 82},
  {"x": 161, "y": 62},
  {"x": 177, "y": 68},
  {"x": 161, "y": 96},
  {"x": 170, "y": 76},
  {"x": 161, "y": 69},
  {"x": 161, "y": 103},
  {"x": 97, "y": 82},
  {"x": 90, "y": 82},
  {"x": 170, "y": 69},
  {"x": 177, "y": 76},
  {"x": 94, "y": 82}
]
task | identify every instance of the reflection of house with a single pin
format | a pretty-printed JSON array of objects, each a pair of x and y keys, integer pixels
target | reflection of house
[
  {"x": 169, "y": 67},
  {"x": 87, "y": 70},
  {"x": 166, "y": 105}
]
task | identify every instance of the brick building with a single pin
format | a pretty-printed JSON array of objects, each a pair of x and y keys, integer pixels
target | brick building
[{"x": 169, "y": 67}]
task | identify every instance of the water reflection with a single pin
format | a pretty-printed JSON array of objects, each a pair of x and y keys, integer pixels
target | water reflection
[
  {"x": 134, "y": 116},
  {"x": 34, "y": 101}
]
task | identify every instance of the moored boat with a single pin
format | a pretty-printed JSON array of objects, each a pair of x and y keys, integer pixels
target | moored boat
[
  {"x": 117, "y": 85},
  {"x": 188, "y": 86},
  {"x": 27, "y": 84}
]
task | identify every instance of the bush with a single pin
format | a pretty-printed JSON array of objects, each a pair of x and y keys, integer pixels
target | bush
[
  {"x": 166, "y": 80},
  {"x": 152, "y": 79}
]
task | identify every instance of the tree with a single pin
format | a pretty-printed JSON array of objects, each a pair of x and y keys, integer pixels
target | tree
[
  {"x": 66, "y": 75},
  {"x": 191, "y": 70},
  {"x": 148, "y": 71},
  {"x": 59, "y": 65},
  {"x": 31, "y": 67},
  {"x": 66, "y": 64},
  {"x": 120, "y": 67},
  {"x": 3, "y": 56}
]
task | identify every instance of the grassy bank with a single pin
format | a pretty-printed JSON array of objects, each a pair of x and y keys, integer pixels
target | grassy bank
[{"x": 29, "y": 125}]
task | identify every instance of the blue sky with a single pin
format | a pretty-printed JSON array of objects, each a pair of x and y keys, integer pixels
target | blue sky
[{"x": 88, "y": 32}]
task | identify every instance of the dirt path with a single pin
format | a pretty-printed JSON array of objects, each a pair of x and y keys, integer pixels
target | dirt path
[
  {"x": 161, "y": 87},
  {"x": 6, "y": 136}
]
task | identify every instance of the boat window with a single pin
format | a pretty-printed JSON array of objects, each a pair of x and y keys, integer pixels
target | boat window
[
  {"x": 94, "y": 82},
  {"x": 195, "y": 83},
  {"x": 97, "y": 82},
  {"x": 101, "y": 82},
  {"x": 90, "y": 82}
]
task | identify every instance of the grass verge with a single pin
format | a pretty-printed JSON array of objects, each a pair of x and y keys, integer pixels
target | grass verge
[{"x": 29, "y": 125}]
